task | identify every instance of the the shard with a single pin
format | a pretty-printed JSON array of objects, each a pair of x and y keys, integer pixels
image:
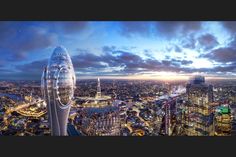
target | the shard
[
  {"x": 58, "y": 85},
  {"x": 98, "y": 95}
]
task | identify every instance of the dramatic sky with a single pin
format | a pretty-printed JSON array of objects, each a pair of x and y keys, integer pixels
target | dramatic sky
[{"x": 116, "y": 49}]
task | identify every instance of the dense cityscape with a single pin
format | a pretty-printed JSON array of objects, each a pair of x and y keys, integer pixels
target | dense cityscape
[
  {"x": 118, "y": 78},
  {"x": 144, "y": 108}
]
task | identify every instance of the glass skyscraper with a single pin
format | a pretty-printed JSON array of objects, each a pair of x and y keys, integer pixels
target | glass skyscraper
[{"x": 58, "y": 84}]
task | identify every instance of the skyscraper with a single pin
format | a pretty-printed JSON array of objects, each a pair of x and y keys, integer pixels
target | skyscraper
[
  {"x": 99, "y": 115},
  {"x": 199, "y": 113},
  {"x": 58, "y": 84},
  {"x": 98, "y": 95}
]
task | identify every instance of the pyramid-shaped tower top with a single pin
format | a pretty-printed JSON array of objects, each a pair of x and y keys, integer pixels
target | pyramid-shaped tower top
[{"x": 98, "y": 95}]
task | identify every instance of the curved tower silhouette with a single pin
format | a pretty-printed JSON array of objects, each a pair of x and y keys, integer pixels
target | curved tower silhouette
[{"x": 58, "y": 84}]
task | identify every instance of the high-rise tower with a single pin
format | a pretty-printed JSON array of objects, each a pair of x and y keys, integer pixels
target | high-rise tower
[
  {"x": 99, "y": 115},
  {"x": 98, "y": 95},
  {"x": 58, "y": 84},
  {"x": 199, "y": 113}
]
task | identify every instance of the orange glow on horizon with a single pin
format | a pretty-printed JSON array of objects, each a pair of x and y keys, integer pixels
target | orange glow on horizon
[{"x": 162, "y": 76}]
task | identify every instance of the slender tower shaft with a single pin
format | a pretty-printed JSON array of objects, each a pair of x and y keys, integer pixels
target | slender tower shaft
[{"x": 99, "y": 94}]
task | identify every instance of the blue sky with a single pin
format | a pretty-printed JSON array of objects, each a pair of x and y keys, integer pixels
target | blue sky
[{"x": 118, "y": 49}]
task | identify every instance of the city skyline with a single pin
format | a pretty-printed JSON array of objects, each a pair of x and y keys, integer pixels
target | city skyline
[{"x": 121, "y": 50}]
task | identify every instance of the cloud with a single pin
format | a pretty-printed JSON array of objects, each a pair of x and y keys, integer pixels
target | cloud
[
  {"x": 34, "y": 68},
  {"x": 228, "y": 68},
  {"x": 177, "y": 49},
  {"x": 108, "y": 63},
  {"x": 227, "y": 54},
  {"x": 172, "y": 28},
  {"x": 73, "y": 26},
  {"x": 33, "y": 39},
  {"x": 181, "y": 62},
  {"x": 21, "y": 38},
  {"x": 5, "y": 71},
  {"x": 173, "y": 47},
  {"x": 118, "y": 62},
  {"x": 24, "y": 74},
  {"x": 18, "y": 40},
  {"x": 133, "y": 63},
  {"x": 6, "y": 30},
  {"x": 189, "y": 42},
  {"x": 207, "y": 41},
  {"x": 129, "y": 29},
  {"x": 108, "y": 48},
  {"x": 230, "y": 26},
  {"x": 186, "y": 62},
  {"x": 2, "y": 62},
  {"x": 223, "y": 54},
  {"x": 168, "y": 29}
]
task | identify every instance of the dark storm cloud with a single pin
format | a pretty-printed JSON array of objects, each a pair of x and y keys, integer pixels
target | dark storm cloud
[{"x": 207, "y": 41}]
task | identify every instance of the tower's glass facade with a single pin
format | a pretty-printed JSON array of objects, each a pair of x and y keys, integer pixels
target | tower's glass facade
[
  {"x": 58, "y": 84},
  {"x": 199, "y": 113}
]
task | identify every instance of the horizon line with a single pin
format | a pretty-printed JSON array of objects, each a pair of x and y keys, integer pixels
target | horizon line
[{"x": 129, "y": 78}]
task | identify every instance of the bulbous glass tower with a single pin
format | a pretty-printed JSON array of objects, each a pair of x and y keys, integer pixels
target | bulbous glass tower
[{"x": 58, "y": 85}]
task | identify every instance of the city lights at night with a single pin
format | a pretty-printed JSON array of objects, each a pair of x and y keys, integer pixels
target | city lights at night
[{"x": 118, "y": 78}]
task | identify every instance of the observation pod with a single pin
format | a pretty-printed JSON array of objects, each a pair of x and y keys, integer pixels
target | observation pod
[{"x": 58, "y": 85}]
